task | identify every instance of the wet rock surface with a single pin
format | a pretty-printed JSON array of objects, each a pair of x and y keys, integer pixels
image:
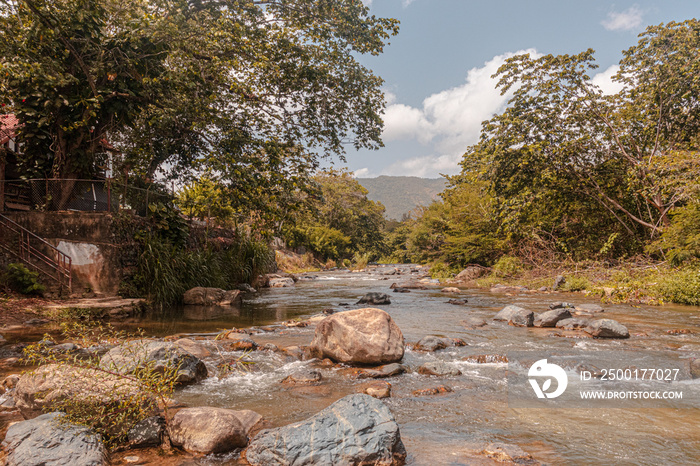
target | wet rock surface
[
  {"x": 203, "y": 296},
  {"x": 363, "y": 336},
  {"x": 45, "y": 441},
  {"x": 550, "y": 318},
  {"x": 212, "y": 430},
  {"x": 607, "y": 328},
  {"x": 375, "y": 298},
  {"x": 438, "y": 368},
  {"x": 357, "y": 429}
]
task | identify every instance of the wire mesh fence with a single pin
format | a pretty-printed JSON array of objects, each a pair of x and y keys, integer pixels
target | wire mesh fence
[{"x": 107, "y": 195}]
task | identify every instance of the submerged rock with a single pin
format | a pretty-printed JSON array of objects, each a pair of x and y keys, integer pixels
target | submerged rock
[
  {"x": 473, "y": 322},
  {"x": 458, "y": 302},
  {"x": 439, "y": 368},
  {"x": 356, "y": 429},
  {"x": 589, "y": 308},
  {"x": 387, "y": 370},
  {"x": 550, "y": 318},
  {"x": 46, "y": 440},
  {"x": 607, "y": 328},
  {"x": 439, "y": 390},
  {"x": 433, "y": 343},
  {"x": 375, "y": 298},
  {"x": 212, "y": 430},
  {"x": 507, "y": 453},
  {"x": 362, "y": 336},
  {"x": 303, "y": 377}
]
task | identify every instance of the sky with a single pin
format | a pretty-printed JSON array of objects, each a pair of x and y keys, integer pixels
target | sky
[{"x": 438, "y": 69}]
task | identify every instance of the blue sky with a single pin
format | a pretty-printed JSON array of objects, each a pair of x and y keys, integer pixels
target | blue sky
[{"x": 437, "y": 70}]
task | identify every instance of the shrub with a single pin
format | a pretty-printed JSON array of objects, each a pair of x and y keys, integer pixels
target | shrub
[
  {"x": 576, "y": 283},
  {"x": 681, "y": 286},
  {"x": 507, "y": 266},
  {"x": 107, "y": 401},
  {"x": 22, "y": 280},
  {"x": 441, "y": 271}
]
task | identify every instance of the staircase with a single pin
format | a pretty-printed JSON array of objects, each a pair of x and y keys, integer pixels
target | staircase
[{"x": 35, "y": 252}]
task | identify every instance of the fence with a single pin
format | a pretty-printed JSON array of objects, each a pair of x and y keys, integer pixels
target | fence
[{"x": 78, "y": 195}]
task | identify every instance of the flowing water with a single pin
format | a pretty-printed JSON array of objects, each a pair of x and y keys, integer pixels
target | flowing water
[{"x": 448, "y": 429}]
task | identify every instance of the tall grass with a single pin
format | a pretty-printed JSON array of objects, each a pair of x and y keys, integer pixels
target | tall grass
[{"x": 164, "y": 272}]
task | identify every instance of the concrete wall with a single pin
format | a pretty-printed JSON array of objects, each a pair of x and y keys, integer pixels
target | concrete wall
[{"x": 84, "y": 236}]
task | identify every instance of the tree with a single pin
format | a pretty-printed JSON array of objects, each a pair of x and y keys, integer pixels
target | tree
[
  {"x": 253, "y": 89},
  {"x": 633, "y": 154}
]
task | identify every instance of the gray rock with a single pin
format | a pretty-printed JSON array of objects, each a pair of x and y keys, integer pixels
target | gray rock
[
  {"x": 439, "y": 368},
  {"x": 516, "y": 316},
  {"x": 589, "y": 308},
  {"x": 147, "y": 433},
  {"x": 375, "y": 298},
  {"x": 246, "y": 288},
  {"x": 281, "y": 282},
  {"x": 399, "y": 289},
  {"x": 203, "y": 296},
  {"x": 607, "y": 328},
  {"x": 303, "y": 377},
  {"x": 560, "y": 305},
  {"x": 356, "y": 429},
  {"x": 387, "y": 370},
  {"x": 558, "y": 282},
  {"x": 362, "y": 336},
  {"x": 212, "y": 430},
  {"x": 137, "y": 354},
  {"x": 507, "y": 453},
  {"x": 458, "y": 302},
  {"x": 507, "y": 312},
  {"x": 573, "y": 323},
  {"x": 472, "y": 272},
  {"x": 46, "y": 441},
  {"x": 550, "y": 318},
  {"x": 695, "y": 368},
  {"x": 432, "y": 343},
  {"x": 473, "y": 322}
]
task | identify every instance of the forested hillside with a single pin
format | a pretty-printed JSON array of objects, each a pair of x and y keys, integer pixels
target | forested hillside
[{"x": 402, "y": 194}]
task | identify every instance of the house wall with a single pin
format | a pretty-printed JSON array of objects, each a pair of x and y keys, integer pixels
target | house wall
[{"x": 84, "y": 236}]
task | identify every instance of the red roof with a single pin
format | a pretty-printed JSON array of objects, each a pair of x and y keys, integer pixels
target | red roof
[{"x": 8, "y": 128}]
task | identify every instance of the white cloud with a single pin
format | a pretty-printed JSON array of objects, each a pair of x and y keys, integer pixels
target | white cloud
[
  {"x": 449, "y": 120},
  {"x": 626, "y": 20},
  {"x": 361, "y": 173},
  {"x": 405, "y": 3},
  {"x": 604, "y": 81}
]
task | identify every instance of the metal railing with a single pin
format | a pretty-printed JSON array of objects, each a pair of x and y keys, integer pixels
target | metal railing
[
  {"x": 49, "y": 195},
  {"x": 36, "y": 252}
]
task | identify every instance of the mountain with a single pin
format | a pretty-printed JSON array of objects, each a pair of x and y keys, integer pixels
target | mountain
[{"x": 402, "y": 194}]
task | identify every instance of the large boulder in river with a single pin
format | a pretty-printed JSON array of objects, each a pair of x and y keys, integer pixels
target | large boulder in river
[
  {"x": 357, "y": 430},
  {"x": 375, "y": 298},
  {"x": 158, "y": 356},
  {"x": 41, "y": 389},
  {"x": 550, "y": 318},
  {"x": 212, "y": 430},
  {"x": 202, "y": 296},
  {"x": 362, "y": 336},
  {"x": 516, "y": 316},
  {"x": 46, "y": 440},
  {"x": 472, "y": 272},
  {"x": 607, "y": 328}
]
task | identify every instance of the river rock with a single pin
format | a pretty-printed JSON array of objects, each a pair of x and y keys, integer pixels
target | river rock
[
  {"x": 212, "y": 430},
  {"x": 458, "y": 302},
  {"x": 38, "y": 390},
  {"x": 472, "y": 272},
  {"x": 607, "y": 328},
  {"x": 241, "y": 342},
  {"x": 387, "y": 370},
  {"x": 451, "y": 289},
  {"x": 473, "y": 322},
  {"x": 558, "y": 282},
  {"x": 573, "y": 323},
  {"x": 204, "y": 296},
  {"x": 439, "y": 368},
  {"x": 516, "y": 316},
  {"x": 246, "y": 288},
  {"x": 399, "y": 289},
  {"x": 356, "y": 429},
  {"x": 439, "y": 390},
  {"x": 45, "y": 441},
  {"x": 375, "y": 298},
  {"x": 281, "y": 282},
  {"x": 378, "y": 390},
  {"x": 157, "y": 355},
  {"x": 560, "y": 305},
  {"x": 434, "y": 343},
  {"x": 589, "y": 308},
  {"x": 361, "y": 336},
  {"x": 550, "y": 318},
  {"x": 487, "y": 359},
  {"x": 303, "y": 377},
  {"x": 507, "y": 453},
  {"x": 147, "y": 433},
  {"x": 195, "y": 347},
  {"x": 695, "y": 368}
]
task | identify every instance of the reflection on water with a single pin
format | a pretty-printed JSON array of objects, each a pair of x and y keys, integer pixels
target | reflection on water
[{"x": 192, "y": 312}]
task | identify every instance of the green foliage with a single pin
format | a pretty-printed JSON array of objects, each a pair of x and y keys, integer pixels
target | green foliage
[
  {"x": 576, "y": 283},
  {"x": 681, "y": 240},
  {"x": 165, "y": 271},
  {"x": 681, "y": 286},
  {"x": 107, "y": 401},
  {"x": 168, "y": 224},
  {"x": 507, "y": 266},
  {"x": 360, "y": 261},
  {"x": 340, "y": 222},
  {"x": 441, "y": 271},
  {"x": 22, "y": 280}
]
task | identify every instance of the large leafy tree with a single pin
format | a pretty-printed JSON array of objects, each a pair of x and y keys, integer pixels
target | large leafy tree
[
  {"x": 250, "y": 89},
  {"x": 562, "y": 146}
]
